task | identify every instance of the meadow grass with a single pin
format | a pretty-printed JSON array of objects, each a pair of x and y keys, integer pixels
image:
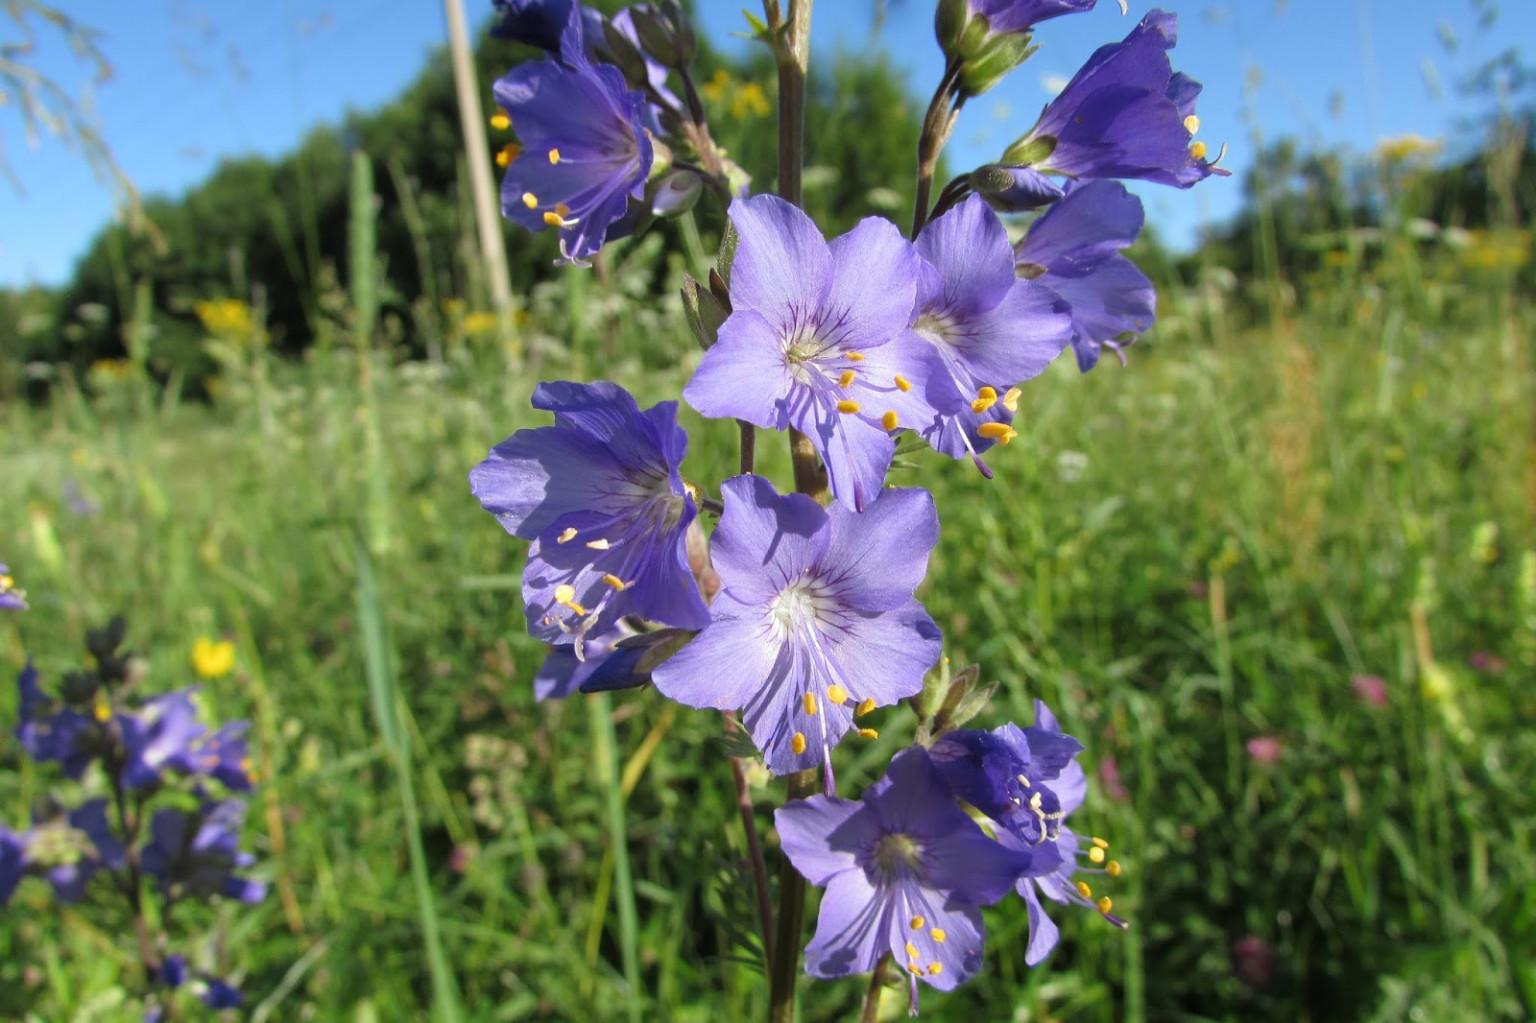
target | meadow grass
[{"x": 1179, "y": 556}]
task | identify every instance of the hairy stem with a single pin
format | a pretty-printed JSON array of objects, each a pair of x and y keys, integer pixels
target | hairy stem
[{"x": 937, "y": 125}]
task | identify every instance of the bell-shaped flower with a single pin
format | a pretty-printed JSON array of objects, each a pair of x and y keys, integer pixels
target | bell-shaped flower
[
  {"x": 1074, "y": 251},
  {"x": 905, "y": 872},
  {"x": 817, "y": 339},
  {"x": 815, "y": 623},
  {"x": 600, "y": 495}
]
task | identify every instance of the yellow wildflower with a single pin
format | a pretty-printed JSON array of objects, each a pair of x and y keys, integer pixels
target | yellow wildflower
[{"x": 213, "y": 658}]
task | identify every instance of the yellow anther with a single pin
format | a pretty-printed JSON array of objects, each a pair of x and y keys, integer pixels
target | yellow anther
[
  {"x": 565, "y": 593},
  {"x": 915, "y": 968},
  {"x": 1106, "y": 904},
  {"x": 1112, "y": 868},
  {"x": 845, "y": 381},
  {"x": 911, "y": 951},
  {"x": 554, "y": 157},
  {"x": 865, "y": 706},
  {"x": 847, "y": 407},
  {"x": 1011, "y": 399},
  {"x": 501, "y": 121},
  {"x": 797, "y": 743},
  {"x": 1096, "y": 854},
  {"x": 1024, "y": 780},
  {"x": 837, "y": 694},
  {"x": 103, "y": 709},
  {"x": 1198, "y": 150},
  {"x": 562, "y": 210},
  {"x": 614, "y": 581},
  {"x": 1084, "y": 890},
  {"x": 934, "y": 969},
  {"x": 1000, "y": 432},
  {"x": 530, "y": 200},
  {"x": 986, "y": 393},
  {"x": 507, "y": 153},
  {"x": 868, "y": 733},
  {"x": 1101, "y": 843},
  {"x": 598, "y": 544},
  {"x": 937, "y": 934},
  {"x": 917, "y": 923},
  {"x": 1192, "y": 124},
  {"x": 566, "y": 535},
  {"x": 903, "y": 384},
  {"x": 808, "y": 701},
  {"x": 889, "y": 420},
  {"x": 553, "y": 219},
  {"x": 6, "y": 582},
  {"x": 855, "y": 356}
]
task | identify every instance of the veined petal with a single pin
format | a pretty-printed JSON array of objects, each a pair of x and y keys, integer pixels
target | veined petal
[
  {"x": 726, "y": 664},
  {"x": 765, "y": 540},
  {"x": 1092, "y": 223},
  {"x": 782, "y": 269},
  {"x": 886, "y": 655},
  {"x": 874, "y": 284},
  {"x": 535, "y": 477},
  {"x": 852, "y": 928},
  {"x": 823, "y": 835},
  {"x": 958, "y": 956},
  {"x": 1043, "y": 933},
  {"x": 744, "y": 374},
  {"x": 968, "y": 248},
  {"x": 875, "y": 559}
]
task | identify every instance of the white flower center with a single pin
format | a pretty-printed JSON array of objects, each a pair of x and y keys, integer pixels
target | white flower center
[
  {"x": 799, "y": 606},
  {"x": 938, "y": 328}
]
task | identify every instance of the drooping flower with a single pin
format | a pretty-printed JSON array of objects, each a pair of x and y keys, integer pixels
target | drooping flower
[
  {"x": 1014, "y": 189},
  {"x": 71, "y": 849},
  {"x": 211, "y": 658},
  {"x": 1074, "y": 251},
  {"x": 49, "y": 732},
  {"x": 585, "y": 151},
  {"x": 1012, "y": 16},
  {"x": 602, "y": 666},
  {"x": 817, "y": 339},
  {"x": 532, "y": 22},
  {"x": 1028, "y": 782},
  {"x": 198, "y": 853},
  {"x": 158, "y": 738},
  {"x": 12, "y": 597},
  {"x": 13, "y": 863},
  {"x": 815, "y": 623},
  {"x": 905, "y": 872},
  {"x": 601, "y": 497},
  {"x": 983, "y": 329},
  {"x": 1125, "y": 114}
]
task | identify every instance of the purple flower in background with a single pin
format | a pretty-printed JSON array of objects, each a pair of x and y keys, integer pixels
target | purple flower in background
[
  {"x": 815, "y": 621},
  {"x": 600, "y": 496},
  {"x": 223, "y": 756},
  {"x": 158, "y": 738},
  {"x": 1012, "y": 16},
  {"x": 12, "y": 597},
  {"x": 1028, "y": 781},
  {"x": 983, "y": 330},
  {"x": 533, "y": 22},
  {"x": 1265, "y": 750},
  {"x": 585, "y": 148},
  {"x": 1125, "y": 114},
  {"x": 905, "y": 871},
  {"x": 215, "y": 993},
  {"x": 603, "y": 666},
  {"x": 198, "y": 853},
  {"x": 48, "y": 732},
  {"x": 73, "y": 849},
  {"x": 13, "y": 863},
  {"x": 817, "y": 339},
  {"x": 1073, "y": 251}
]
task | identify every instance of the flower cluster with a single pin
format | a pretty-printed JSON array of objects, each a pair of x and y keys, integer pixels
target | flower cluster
[
  {"x": 800, "y": 612},
  {"x": 170, "y": 815}
]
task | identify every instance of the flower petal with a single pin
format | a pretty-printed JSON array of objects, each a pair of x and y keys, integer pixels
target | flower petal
[
  {"x": 876, "y": 558},
  {"x": 744, "y": 374},
  {"x": 822, "y": 835},
  {"x": 874, "y": 284},
  {"x": 852, "y": 928},
  {"x": 765, "y": 539},
  {"x": 782, "y": 269}
]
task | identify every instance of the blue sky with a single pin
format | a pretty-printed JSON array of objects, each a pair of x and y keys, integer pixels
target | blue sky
[{"x": 198, "y": 80}]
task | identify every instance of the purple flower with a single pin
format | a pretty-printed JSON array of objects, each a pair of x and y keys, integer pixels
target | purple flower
[
  {"x": 532, "y": 22},
  {"x": 815, "y": 621},
  {"x": 1028, "y": 781},
  {"x": 656, "y": 73},
  {"x": 817, "y": 339},
  {"x": 1012, "y": 16},
  {"x": 905, "y": 871},
  {"x": 68, "y": 849},
  {"x": 1014, "y": 189},
  {"x": 215, "y": 993},
  {"x": 1126, "y": 114},
  {"x": 223, "y": 756},
  {"x": 1073, "y": 251},
  {"x": 585, "y": 149},
  {"x": 49, "y": 733},
  {"x": 158, "y": 738},
  {"x": 197, "y": 854},
  {"x": 600, "y": 496},
  {"x": 13, "y": 862},
  {"x": 983, "y": 330},
  {"x": 1265, "y": 750},
  {"x": 12, "y": 597},
  {"x": 602, "y": 666}
]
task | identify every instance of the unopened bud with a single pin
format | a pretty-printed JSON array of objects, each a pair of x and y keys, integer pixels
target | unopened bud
[{"x": 1014, "y": 189}]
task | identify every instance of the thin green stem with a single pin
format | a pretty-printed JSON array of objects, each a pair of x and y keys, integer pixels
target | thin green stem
[
  {"x": 871, "y": 1010},
  {"x": 606, "y": 758},
  {"x": 938, "y": 122},
  {"x": 786, "y": 943}
]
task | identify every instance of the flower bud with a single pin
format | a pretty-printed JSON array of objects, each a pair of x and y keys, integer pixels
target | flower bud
[
  {"x": 1013, "y": 189},
  {"x": 665, "y": 33},
  {"x": 676, "y": 193},
  {"x": 1029, "y": 151},
  {"x": 619, "y": 50}
]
